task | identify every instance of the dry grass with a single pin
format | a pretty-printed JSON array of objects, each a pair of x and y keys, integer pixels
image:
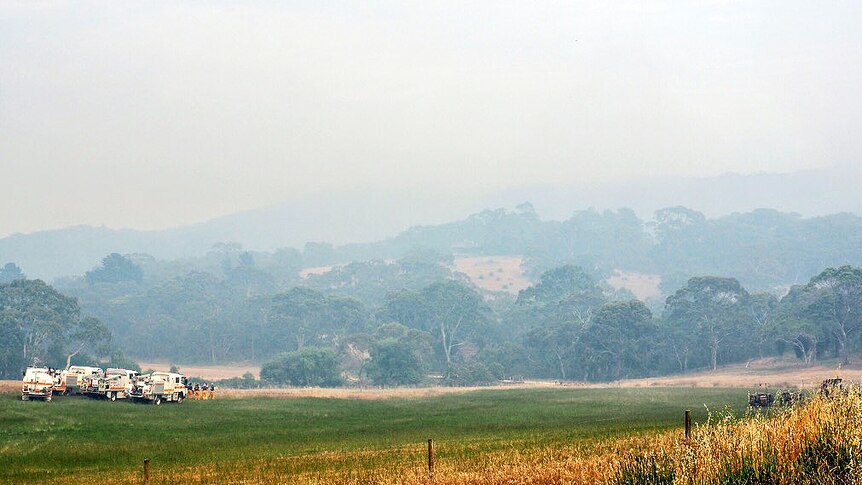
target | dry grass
[
  {"x": 10, "y": 386},
  {"x": 644, "y": 286},
  {"x": 317, "y": 270},
  {"x": 371, "y": 393},
  {"x": 772, "y": 372},
  {"x": 494, "y": 273}
]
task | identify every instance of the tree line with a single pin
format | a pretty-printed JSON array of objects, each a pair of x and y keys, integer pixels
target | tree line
[{"x": 567, "y": 326}]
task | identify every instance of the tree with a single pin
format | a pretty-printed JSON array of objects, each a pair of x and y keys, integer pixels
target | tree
[
  {"x": 311, "y": 366},
  {"x": 308, "y": 316},
  {"x": 450, "y": 311},
  {"x": 712, "y": 307},
  {"x": 90, "y": 333},
  {"x": 394, "y": 362},
  {"x": 37, "y": 323},
  {"x": 115, "y": 268},
  {"x": 558, "y": 339},
  {"x": 11, "y": 272},
  {"x": 617, "y": 336},
  {"x": 556, "y": 284},
  {"x": 299, "y": 312},
  {"x": 764, "y": 311},
  {"x": 836, "y": 304},
  {"x": 794, "y": 326}
]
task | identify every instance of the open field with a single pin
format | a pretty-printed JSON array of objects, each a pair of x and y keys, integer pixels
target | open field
[
  {"x": 643, "y": 286},
  {"x": 772, "y": 372},
  {"x": 324, "y": 440},
  {"x": 494, "y": 273}
]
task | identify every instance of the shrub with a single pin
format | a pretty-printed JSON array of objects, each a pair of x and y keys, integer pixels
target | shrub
[
  {"x": 394, "y": 363},
  {"x": 311, "y": 366}
]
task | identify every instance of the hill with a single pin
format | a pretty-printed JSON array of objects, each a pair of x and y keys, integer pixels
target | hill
[{"x": 353, "y": 219}]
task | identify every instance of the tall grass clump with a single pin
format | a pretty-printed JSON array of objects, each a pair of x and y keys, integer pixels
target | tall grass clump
[{"x": 819, "y": 442}]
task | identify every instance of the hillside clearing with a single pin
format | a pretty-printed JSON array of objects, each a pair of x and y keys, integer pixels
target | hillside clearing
[{"x": 494, "y": 273}]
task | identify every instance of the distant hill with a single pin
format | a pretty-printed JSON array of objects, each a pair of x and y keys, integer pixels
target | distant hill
[{"x": 356, "y": 219}]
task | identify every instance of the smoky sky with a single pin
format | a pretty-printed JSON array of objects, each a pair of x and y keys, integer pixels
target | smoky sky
[{"x": 155, "y": 114}]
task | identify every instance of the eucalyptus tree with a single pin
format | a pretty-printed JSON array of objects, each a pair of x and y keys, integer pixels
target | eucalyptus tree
[
  {"x": 836, "y": 304},
  {"x": 713, "y": 309}
]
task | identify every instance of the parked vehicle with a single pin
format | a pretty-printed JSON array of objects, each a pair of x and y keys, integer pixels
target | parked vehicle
[
  {"x": 59, "y": 376},
  {"x": 117, "y": 384},
  {"x": 761, "y": 399},
  {"x": 75, "y": 376},
  {"x": 90, "y": 384},
  {"x": 160, "y": 386},
  {"x": 38, "y": 383}
]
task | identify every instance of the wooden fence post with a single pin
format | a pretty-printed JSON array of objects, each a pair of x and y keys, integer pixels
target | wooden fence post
[
  {"x": 687, "y": 424},
  {"x": 430, "y": 458},
  {"x": 146, "y": 471}
]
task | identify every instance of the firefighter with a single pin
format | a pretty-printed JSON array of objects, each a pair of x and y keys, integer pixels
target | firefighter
[
  {"x": 212, "y": 392},
  {"x": 197, "y": 391}
]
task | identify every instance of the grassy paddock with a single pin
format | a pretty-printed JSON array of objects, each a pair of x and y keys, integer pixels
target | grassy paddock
[{"x": 326, "y": 440}]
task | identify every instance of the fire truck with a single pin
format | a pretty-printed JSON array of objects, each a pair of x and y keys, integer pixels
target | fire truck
[
  {"x": 160, "y": 386},
  {"x": 117, "y": 384},
  {"x": 38, "y": 383},
  {"x": 76, "y": 374}
]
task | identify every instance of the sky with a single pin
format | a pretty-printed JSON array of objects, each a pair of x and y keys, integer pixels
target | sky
[{"x": 157, "y": 114}]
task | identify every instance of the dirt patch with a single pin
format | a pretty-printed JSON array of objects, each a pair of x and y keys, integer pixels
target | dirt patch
[
  {"x": 494, "y": 273},
  {"x": 211, "y": 372},
  {"x": 644, "y": 286}
]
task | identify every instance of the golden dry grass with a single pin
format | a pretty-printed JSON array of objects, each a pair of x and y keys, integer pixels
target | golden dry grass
[
  {"x": 10, "y": 386},
  {"x": 371, "y": 393},
  {"x": 494, "y": 273},
  {"x": 772, "y": 372},
  {"x": 643, "y": 286}
]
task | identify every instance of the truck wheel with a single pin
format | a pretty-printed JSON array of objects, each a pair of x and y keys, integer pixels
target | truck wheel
[
  {"x": 48, "y": 399},
  {"x": 180, "y": 398},
  {"x": 112, "y": 396},
  {"x": 158, "y": 400},
  {"x": 25, "y": 398}
]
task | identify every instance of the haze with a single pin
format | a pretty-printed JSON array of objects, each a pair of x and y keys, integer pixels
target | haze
[{"x": 161, "y": 114}]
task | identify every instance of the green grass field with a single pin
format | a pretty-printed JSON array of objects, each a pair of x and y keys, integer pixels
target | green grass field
[{"x": 39, "y": 441}]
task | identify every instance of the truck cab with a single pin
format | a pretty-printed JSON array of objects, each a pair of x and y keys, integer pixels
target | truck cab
[{"x": 38, "y": 383}]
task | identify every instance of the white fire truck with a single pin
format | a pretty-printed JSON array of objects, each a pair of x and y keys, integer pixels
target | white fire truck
[
  {"x": 160, "y": 386},
  {"x": 76, "y": 375},
  {"x": 117, "y": 384},
  {"x": 38, "y": 383}
]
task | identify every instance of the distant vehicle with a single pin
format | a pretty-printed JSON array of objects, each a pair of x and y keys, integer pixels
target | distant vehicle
[
  {"x": 59, "y": 376},
  {"x": 117, "y": 383},
  {"x": 160, "y": 386},
  {"x": 831, "y": 387},
  {"x": 38, "y": 383},
  {"x": 75, "y": 377},
  {"x": 761, "y": 399}
]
